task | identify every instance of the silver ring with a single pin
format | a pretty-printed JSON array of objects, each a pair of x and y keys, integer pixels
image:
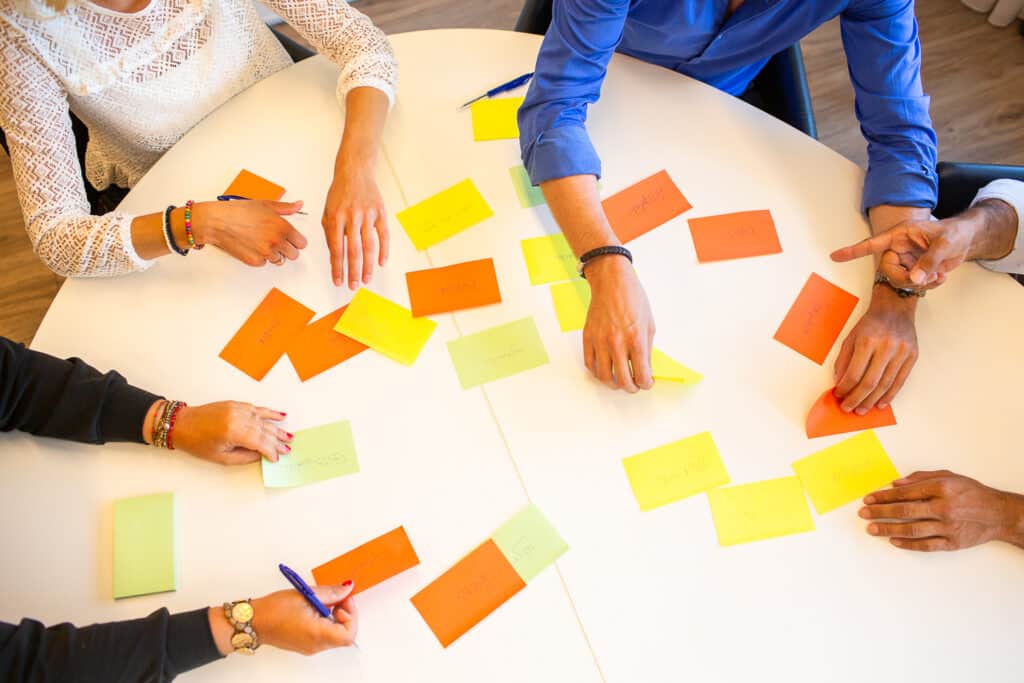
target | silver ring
[{"x": 278, "y": 261}]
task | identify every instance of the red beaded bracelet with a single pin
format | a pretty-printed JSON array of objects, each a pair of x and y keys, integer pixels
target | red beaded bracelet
[
  {"x": 171, "y": 419},
  {"x": 188, "y": 227}
]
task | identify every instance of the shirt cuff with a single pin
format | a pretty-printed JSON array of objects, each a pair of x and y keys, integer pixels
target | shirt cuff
[
  {"x": 900, "y": 185},
  {"x": 1011, "y": 192},
  {"x": 124, "y": 226},
  {"x": 559, "y": 153},
  {"x": 125, "y": 412},
  {"x": 190, "y": 644},
  {"x": 349, "y": 84}
]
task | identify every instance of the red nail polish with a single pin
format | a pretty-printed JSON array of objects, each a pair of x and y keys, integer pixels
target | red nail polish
[
  {"x": 347, "y": 584},
  {"x": 290, "y": 435},
  {"x": 288, "y": 448},
  {"x": 284, "y": 414}
]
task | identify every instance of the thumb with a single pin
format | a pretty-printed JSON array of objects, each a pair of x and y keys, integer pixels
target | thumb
[
  {"x": 930, "y": 261},
  {"x": 335, "y": 593},
  {"x": 872, "y": 245},
  {"x": 286, "y": 208}
]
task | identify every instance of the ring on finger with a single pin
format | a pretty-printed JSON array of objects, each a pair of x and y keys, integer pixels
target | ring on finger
[{"x": 280, "y": 259}]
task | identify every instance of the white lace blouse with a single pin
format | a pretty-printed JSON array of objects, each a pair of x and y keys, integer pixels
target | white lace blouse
[{"x": 139, "y": 82}]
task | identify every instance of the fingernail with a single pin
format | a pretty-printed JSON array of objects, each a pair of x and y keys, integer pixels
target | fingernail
[
  {"x": 873, "y": 529},
  {"x": 353, "y": 284},
  {"x": 284, "y": 414},
  {"x": 845, "y": 408},
  {"x": 883, "y": 406},
  {"x": 288, "y": 448},
  {"x": 290, "y": 435},
  {"x": 863, "y": 512},
  {"x": 917, "y": 277},
  {"x": 869, "y": 500},
  {"x": 347, "y": 584},
  {"x": 366, "y": 279},
  {"x": 337, "y": 282},
  {"x": 896, "y": 542},
  {"x": 862, "y": 411}
]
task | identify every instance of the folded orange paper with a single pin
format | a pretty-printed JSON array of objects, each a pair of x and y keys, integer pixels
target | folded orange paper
[
  {"x": 644, "y": 206},
  {"x": 252, "y": 186},
  {"x": 318, "y": 347},
  {"x": 734, "y": 235},
  {"x": 263, "y": 338},
  {"x": 817, "y": 317},
  {"x": 826, "y": 417},
  {"x": 453, "y": 288},
  {"x": 370, "y": 563}
]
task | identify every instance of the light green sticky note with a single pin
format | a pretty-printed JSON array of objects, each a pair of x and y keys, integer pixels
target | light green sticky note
[
  {"x": 497, "y": 352},
  {"x": 385, "y": 326},
  {"x": 529, "y": 542},
  {"x": 846, "y": 471},
  {"x": 317, "y": 454},
  {"x": 144, "y": 545},
  {"x": 665, "y": 368},
  {"x": 675, "y": 471},
  {"x": 764, "y": 509},
  {"x": 549, "y": 259},
  {"x": 571, "y": 300},
  {"x": 447, "y": 213},
  {"x": 529, "y": 194}
]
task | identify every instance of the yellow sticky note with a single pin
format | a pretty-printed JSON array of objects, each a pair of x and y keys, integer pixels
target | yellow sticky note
[
  {"x": 549, "y": 259},
  {"x": 495, "y": 119},
  {"x": 846, "y": 471},
  {"x": 675, "y": 471},
  {"x": 385, "y": 327},
  {"x": 571, "y": 300},
  {"x": 669, "y": 370},
  {"x": 765, "y": 509},
  {"x": 447, "y": 213}
]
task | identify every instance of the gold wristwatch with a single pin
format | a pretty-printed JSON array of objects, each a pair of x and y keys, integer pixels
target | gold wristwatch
[{"x": 240, "y": 615}]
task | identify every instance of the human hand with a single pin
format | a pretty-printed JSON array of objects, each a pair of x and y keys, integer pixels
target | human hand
[
  {"x": 231, "y": 433},
  {"x": 619, "y": 331},
  {"x": 355, "y": 224},
  {"x": 254, "y": 232},
  {"x": 286, "y": 620},
  {"x": 943, "y": 511}
]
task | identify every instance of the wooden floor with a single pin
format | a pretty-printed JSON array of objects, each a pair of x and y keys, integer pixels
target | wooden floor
[{"x": 974, "y": 73}]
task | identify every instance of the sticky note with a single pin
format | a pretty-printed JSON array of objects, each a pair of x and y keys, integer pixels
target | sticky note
[
  {"x": 318, "y": 347},
  {"x": 385, "y": 327},
  {"x": 252, "y": 186},
  {"x": 497, "y": 352},
  {"x": 495, "y": 118},
  {"x": 571, "y": 300},
  {"x": 817, "y": 317},
  {"x": 764, "y": 509},
  {"x": 529, "y": 542},
  {"x": 529, "y": 194},
  {"x": 266, "y": 334},
  {"x": 447, "y": 213},
  {"x": 453, "y": 288},
  {"x": 317, "y": 454},
  {"x": 464, "y": 595},
  {"x": 667, "y": 369},
  {"x": 826, "y": 418},
  {"x": 144, "y": 545},
  {"x": 370, "y": 563},
  {"x": 845, "y": 471},
  {"x": 675, "y": 471},
  {"x": 549, "y": 259},
  {"x": 644, "y": 206},
  {"x": 734, "y": 235}
]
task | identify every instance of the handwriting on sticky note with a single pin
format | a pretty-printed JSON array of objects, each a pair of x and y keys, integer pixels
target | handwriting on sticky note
[
  {"x": 445, "y": 214},
  {"x": 529, "y": 542},
  {"x": 266, "y": 334},
  {"x": 667, "y": 369},
  {"x": 252, "y": 186},
  {"x": 385, "y": 327},
  {"x": 734, "y": 235},
  {"x": 675, "y": 471},
  {"x": 571, "y": 300},
  {"x": 816, "y": 319},
  {"x": 495, "y": 118},
  {"x": 529, "y": 195},
  {"x": 764, "y": 509},
  {"x": 644, "y": 206},
  {"x": 370, "y": 563},
  {"x": 497, "y": 352},
  {"x": 318, "y": 347},
  {"x": 144, "y": 545},
  {"x": 453, "y": 288},
  {"x": 826, "y": 418},
  {"x": 549, "y": 259},
  {"x": 317, "y": 454},
  {"x": 846, "y": 471}
]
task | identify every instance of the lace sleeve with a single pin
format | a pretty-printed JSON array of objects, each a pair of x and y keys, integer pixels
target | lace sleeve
[
  {"x": 348, "y": 38},
  {"x": 48, "y": 176}
]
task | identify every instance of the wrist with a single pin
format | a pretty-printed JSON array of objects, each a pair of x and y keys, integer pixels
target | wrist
[
  {"x": 150, "y": 420},
  {"x": 355, "y": 158},
  {"x": 610, "y": 268},
  {"x": 886, "y": 300},
  {"x": 221, "y": 630},
  {"x": 1012, "y": 529},
  {"x": 204, "y": 229},
  {"x": 183, "y": 428}
]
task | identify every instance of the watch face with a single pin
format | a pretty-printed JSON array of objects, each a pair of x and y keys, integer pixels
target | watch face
[
  {"x": 241, "y": 641},
  {"x": 242, "y": 612}
]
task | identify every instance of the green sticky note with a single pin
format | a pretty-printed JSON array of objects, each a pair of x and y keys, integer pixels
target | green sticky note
[
  {"x": 764, "y": 509},
  {"x": 144, "y": 545},
  {"x": 675, "y": 471},
  {"x": 846, "y": 471},
  {"x": 529, "y": 194},
  {"x": 571, "y": 300},
  {"x": 447, "y": 213},
  {"x": 497, "y": 352},
  {"x": 317, "y": 454},
  {"x": 549, "y": 259},
  {"x": 665, "y": 368},
  {"x": 529, "y": 542}
]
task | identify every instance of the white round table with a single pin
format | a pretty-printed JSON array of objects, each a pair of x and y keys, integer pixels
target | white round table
[{"x": 639, "y": 596}]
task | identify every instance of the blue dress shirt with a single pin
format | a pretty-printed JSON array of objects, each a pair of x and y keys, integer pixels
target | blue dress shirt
[{"x": 694, "y": 37}]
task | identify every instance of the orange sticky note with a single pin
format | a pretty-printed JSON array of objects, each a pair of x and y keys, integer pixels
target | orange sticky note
[
  {"x": 826, "y": 417},
  {"x": 252, "y": 186},
  {"x": 370, "y": 563},
  {"x": 266, "y": 334},
  {"x": 460, "y": 598},
  {"x": 734, "y": 235},
  {"x": 318, "y": 347},
  {"x": 642, "y": 207},
  {"x": 453, "y": 288},
  {"x": 817, "y": 317}
]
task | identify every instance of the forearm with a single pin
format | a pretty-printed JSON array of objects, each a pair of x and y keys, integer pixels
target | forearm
[
  {"x": 576, "y": 206},
  {"x": 366, "y": 110},
  {"x": 995, "y": 230}
]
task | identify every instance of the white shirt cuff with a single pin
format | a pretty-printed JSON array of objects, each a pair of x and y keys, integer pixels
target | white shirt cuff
[{"x": 1011, "y": 192}]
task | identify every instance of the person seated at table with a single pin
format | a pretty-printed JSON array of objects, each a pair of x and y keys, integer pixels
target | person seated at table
[
  {"x": 140, "y": 74},
  {"x": 725, "y": 43},
  {"x": 68, "y": 399}
]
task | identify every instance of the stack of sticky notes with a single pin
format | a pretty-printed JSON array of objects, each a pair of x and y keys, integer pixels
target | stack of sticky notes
[
  {"x": 144, "y": 545},
  {"x": 497, "y": 352},
  {"x": 386, "y": 327},
  {"x": 445, "y": 214},
  {"x": 371, "y": 563},
  {"x": 317, "y": 454}
]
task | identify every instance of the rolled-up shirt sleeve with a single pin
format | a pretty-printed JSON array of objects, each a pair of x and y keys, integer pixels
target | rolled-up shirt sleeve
[
  {"x": 1011, "y": 192},
  {"x": 570, "y": 70},
  {"x": 884, "y": 57}
]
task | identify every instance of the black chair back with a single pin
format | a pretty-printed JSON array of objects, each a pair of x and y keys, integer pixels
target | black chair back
[{"x": 958, "y": 183}]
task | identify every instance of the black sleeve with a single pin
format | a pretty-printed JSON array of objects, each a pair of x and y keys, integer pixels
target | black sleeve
[
  {"x": 153, "y": 649},
  {"x": 67, "y": 399}
]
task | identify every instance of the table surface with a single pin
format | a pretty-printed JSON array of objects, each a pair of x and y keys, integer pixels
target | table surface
[{"x": 639, "y": 596}]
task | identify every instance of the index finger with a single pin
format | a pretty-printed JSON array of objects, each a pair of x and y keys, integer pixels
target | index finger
[
  {"x": 867, "y": 247},
  {"x": 897, "y": 494},
  {"x": 383, "y": 236}
]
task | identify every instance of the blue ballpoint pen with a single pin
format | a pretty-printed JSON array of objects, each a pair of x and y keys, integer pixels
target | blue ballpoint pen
[
  {"x": 504, "y": 87},
  {"x": 305, "y": 591},
  {"x": 231, "y": 197}
]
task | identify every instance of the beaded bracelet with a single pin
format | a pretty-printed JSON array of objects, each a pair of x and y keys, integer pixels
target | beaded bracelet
[
  {"x": 163, "y": 431},
  {"x": 188, "y": 227},
  {"x": 170, "y": 424},
  {"x": 169, "y": 234}
]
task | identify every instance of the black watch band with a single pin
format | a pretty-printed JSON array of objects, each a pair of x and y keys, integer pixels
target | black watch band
[{"x": 601, "y": 251}]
